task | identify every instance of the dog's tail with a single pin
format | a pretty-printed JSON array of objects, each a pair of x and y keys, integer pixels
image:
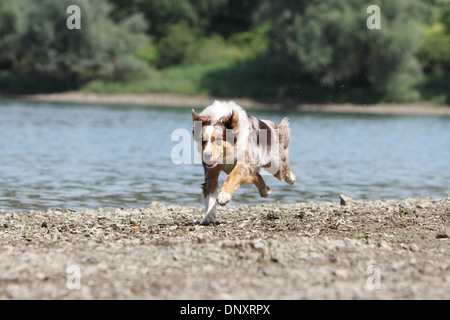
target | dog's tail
[{"x": 284, "y": 133}]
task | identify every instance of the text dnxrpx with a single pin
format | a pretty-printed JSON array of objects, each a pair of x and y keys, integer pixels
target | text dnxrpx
[
  {"x": 241, "y": 309},
  {"x": 247, "y": 309}
]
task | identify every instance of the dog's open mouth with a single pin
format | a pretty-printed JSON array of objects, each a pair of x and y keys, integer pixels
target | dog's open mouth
[{"x": 212, "y": 165}]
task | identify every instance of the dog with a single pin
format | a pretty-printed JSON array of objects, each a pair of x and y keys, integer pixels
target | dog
[{"x": 231, "y": 140}]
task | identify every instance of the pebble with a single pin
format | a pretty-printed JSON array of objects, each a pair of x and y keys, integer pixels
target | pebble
[{"x": 345, "y": 200}]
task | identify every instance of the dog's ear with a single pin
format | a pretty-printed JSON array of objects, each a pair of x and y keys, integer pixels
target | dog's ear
[
  {"x": 230, "y": 121},
  {"x": 196, "y": 117}
]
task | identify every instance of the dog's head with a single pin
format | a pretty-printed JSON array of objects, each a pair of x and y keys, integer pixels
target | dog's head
[{"x": 215, "y": 138}]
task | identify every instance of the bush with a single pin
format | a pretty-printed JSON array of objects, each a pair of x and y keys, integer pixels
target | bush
[
  {"x": 173, "y": 47},
  {"x": 328, "y": 42},
  {"x": 41, "y": 43},
  {"x": 13, "y": 23},
  {"x": 148, "y": 53},
  {"x": 206, "y": 50},
  {"x": 435, "y": 51}
]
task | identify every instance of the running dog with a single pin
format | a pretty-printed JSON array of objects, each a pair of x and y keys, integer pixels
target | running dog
[{"x": 231, "y": 140}]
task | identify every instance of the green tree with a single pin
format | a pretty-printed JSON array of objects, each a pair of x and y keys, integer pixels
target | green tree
[
  {"x": 225, "y": 17},
  {"x": 173, "y": 47},
  {"x": 435, "y": 51},
  {"x": 159, "y": 14},
  {"x": 328, "y": 42},
  {"x": 12, "y": 25},
  {"x": 41, "y": 43}
]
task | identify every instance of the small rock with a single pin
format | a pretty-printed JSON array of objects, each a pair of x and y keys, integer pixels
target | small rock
[
  {"x": 273, "y": 215},
  {"x": 345, "y": 200},
  {"x": 41, "y": 276},
  {"x": 155, "y": 205},
  {"x": 22, "y": 268},
  {"x": 300, "y": 215},
  {"x": 267, "y": 272},
  {"x": 414, "y": 247},
  {"x": 441, "y": 236},
  {"x": 384, "y": 245},
  {"x": 115, "y": 227},
  {"x": 332, "y": 258},
  {"x": 201, "y": 238}
]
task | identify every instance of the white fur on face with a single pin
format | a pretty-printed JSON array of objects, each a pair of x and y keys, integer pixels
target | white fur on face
[
  {"x": 212, "y": 149},
  {"x": 209, "y": 130}
]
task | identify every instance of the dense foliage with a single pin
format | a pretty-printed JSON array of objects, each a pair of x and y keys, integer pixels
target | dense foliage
[{"x": 310, "y": 50}]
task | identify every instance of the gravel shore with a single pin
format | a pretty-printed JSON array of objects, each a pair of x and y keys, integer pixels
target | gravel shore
[{"x": 351, "y": 250}]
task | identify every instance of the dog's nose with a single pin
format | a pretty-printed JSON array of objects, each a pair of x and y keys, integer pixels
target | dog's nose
[{"x": 207, "y": 154}]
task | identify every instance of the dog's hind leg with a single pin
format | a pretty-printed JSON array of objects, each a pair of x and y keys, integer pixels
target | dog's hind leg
[
  {"x": 264, "y": 190},
  {"x": 290, "y": 177},
  {"x": 284, "y": 172},
  {"x": 210, "y": 194}
]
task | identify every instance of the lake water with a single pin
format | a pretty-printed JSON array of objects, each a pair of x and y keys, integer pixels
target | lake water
[{"x": 90, "y": 156}]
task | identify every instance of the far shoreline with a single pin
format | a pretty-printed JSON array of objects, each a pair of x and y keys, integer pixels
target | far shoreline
[{"x": 200, "y": 101}]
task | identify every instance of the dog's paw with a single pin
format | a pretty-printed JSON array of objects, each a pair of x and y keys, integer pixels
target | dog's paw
[
  {"x": 290, "y": 179},
  {"x": 223, "y": 198},
  {"x": 265, "y": 193},
  {"x": 208, "y": 219}
]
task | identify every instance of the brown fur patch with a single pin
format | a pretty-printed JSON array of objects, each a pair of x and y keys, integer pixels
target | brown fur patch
[{"x": 264, "y": 126}]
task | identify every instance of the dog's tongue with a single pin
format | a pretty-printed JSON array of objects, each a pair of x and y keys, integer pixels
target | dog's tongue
[{"x": 210, "y": 165}]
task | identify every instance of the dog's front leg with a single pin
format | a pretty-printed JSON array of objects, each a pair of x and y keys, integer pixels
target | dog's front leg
[
  {"x": 210, "y": 194},
  {"x": 241, "y": 174}
]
